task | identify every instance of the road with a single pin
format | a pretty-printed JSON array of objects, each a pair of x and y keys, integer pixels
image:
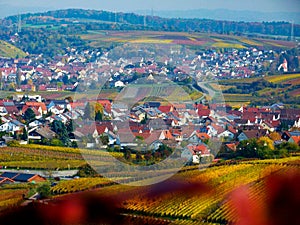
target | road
[{"x": 44, "y": 173}]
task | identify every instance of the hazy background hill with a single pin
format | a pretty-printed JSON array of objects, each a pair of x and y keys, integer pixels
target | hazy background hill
[{"x": 225, "y": 14}]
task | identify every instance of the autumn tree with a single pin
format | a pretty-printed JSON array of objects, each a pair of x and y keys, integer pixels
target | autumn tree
[
  {"x": 265, "y": 142},
  {"x": 275, "y": 136}
]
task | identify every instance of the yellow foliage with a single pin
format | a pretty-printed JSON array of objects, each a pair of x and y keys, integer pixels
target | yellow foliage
[{"x": 267, "y": 142}]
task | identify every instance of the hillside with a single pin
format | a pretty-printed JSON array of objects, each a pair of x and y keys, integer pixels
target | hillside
[
  {"x": 194, "y": 196},
  {"x": 124, "y": 21},
  {"x": 10, "y": 51},
  {"x": 260, "y": 91}
]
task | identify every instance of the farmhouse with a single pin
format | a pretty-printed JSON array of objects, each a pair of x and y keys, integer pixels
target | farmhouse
[{"x": 22, "y": 177}]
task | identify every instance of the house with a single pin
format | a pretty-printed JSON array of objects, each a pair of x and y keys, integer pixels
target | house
[
  {"x": 231, "y": 146},
  {"x": 10, "y": 108},
  {"x": 193, "y": 153},
  {"x": 295, "y": 139},
  {"x": 287, "y": 135},
  {"x": 61, "y": 104},
  {"x": 12, "y": 126},
  {"x": 38, "y": 133},
  {"x": 198, "y": 137},
  {"x": 166, "y": 108},
  {"x": 23, "y": 177},
  {"x": 35, "y": 123},
  {"x": 165, "y": 135},
  {"x": 119, "y": 84},
  {"x": 40, "y": 106},
  {"x": 249, "y": 134},
  {"x": 227, "y": 135},
  {"x": 5, "y": 180}
]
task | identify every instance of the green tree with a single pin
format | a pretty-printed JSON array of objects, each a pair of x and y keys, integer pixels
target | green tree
[
  {"x": 127, "y": 155},
  {"x": 56, "y": 142},
  {"x": 248, "y": 148},
  {"x": 24, "y": 135},
  {"x": 70, "y": 126},
  {"x": 29, "y": 115},
  {"x": 98, "y": 116},
  {"x": 86, "y": 171},
  {"x": 138, "y": 156},
  {"x": 89, "y": 112},
  {"x": 60, "y": 129},
  {"x": 44, "y": 190}
]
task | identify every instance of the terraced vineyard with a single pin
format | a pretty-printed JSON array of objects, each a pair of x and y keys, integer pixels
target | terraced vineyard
[
  {"x": 12, "y": 195},
  {"x": 80, "y": 184},
  {"x": 192, "y": 196},
  {"x": 207, "y": 203},
  {"x": 49, "y": 157}
]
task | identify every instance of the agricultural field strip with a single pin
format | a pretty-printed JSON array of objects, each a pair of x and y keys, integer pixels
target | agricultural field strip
[{"x": 194, "y": 207}]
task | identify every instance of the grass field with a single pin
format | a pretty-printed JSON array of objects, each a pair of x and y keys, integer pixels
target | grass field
[
  {"x": 283, "y": 78},
  {"x": 198, "y": 40},
  {"x": 8, "y": 50}
]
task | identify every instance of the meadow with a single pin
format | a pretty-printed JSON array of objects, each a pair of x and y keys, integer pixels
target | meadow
[
  {"x": 8, "y": 50},
  {"x": 195, "y": 40}
]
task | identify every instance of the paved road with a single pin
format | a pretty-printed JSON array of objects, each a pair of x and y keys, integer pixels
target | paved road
[
  {"x": 210, "y": 91},
  {"x": 44, "y": 173}
]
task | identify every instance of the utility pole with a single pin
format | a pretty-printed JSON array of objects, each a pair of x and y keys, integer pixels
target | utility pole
[
  {"x": 19, "y": 24},
  {"x": 292, "y": 31},
  {"x": 145, "y": 21}
]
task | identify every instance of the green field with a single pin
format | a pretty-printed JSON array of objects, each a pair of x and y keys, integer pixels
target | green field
[
  {"x": 193, "y": 40},
  {"x": 8, "y": 50}
]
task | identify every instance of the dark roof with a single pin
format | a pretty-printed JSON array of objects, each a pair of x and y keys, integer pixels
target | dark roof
[
  {"x": 9, "y": 174},
  {"x": 152, "y": 104},
  {"x": 22, "y": 177},
  {"x": 46, "y": 132}
]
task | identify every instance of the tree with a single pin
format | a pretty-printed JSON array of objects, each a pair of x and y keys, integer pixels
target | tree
[
  {"x": 70, "y": 126},
  {"x": 275, "y": 136},
  {"x": 99, "y": 111},
  {"x": 138, "y": 156},
  {"x": 89, "y": 112},
  {"x": 18, "y": 78},
  {"x": 60, "y": 129},
  {"x": 44, "y": 190},
  {"x": 127, "y": 155},
  {"x": 56, "y": 142},
  {"x": 86, "y": 171},
  {"x": 248, "y": 148},
  {"x": 144, "y": 120},
  {"x": 29, "y": 115},
  {"x": 265, "y": 142},
  {"x": 24, "y": 135},
  {"x": 98, "y": 116}
]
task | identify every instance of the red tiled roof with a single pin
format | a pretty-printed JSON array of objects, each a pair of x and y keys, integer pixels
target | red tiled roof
[
  {"x": 296, "y": 139},
  {"x": 199, "y": 148},
  {"x": 203, "y": 136},
  {"x": 231, "y": 146},
  {"x": 167, "y": 134},
  {"x": 37, "y": 104},
  {"x": 203, "y": 112},
  {"x": 165, "y": 108}
]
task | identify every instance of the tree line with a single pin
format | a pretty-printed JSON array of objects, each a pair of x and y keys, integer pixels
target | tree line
[{"x": 124, "y": 20}]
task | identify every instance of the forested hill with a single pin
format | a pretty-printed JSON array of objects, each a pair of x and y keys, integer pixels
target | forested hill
[{"x": 94, "y": 19}]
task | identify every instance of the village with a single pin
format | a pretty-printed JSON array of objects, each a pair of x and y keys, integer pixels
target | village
[
  {"x": 28, "y": 119},
  {"x": 202, "y": 130},
  {"x": 63, "y": 72}
]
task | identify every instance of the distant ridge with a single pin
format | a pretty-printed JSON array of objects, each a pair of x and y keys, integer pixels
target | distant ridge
[
  {"x": 105, "y": 20},
  {"x": 225, "y": 14}
]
